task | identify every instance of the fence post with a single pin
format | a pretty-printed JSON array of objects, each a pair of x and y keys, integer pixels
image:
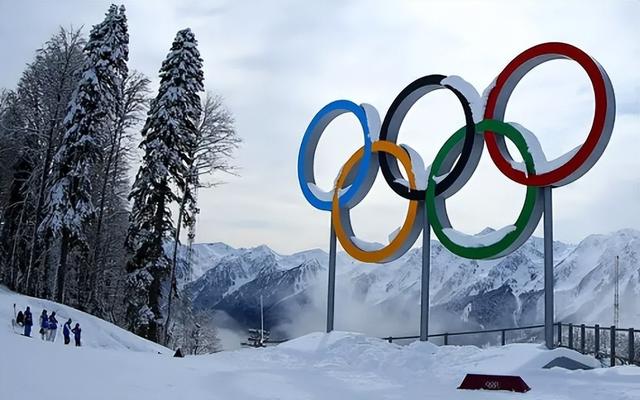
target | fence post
[
  {"x": 446, "y": 339},
  {"x": 571, "y": 336},
  {"x": 613, "y": 345},
  {"x": 632, "y": 350},
  {"x": 596, "y": 339},
  {"x": 559, "y": 333},
  {"x": 582, "y": 337},
  {"x": 504, "y": 338}
]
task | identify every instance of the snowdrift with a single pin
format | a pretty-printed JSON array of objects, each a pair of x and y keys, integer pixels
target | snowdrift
[{"x": 115, "y": 364}]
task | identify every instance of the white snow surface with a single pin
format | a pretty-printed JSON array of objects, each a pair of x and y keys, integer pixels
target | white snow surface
[
  {"x": 403, "y": 182},
  {"x": 394, "y": 234},
  {"x": 485, "y": 95},
  {"x": 373, "y": 246},
  {"x": 373, "y": 120},
  {"x": 96, "y": 333},
  {"x": 476, "y": 102},
  {"x": 479, "y": 240},
  {"x": 440, "y": 178},
  {"x": 324, "y": 195},
  {"x": 365, "y": 245},
  {"x": 339, "y": 365},
  {"x": 537, "y": 153},
  {"x": 420, "y": 173}
]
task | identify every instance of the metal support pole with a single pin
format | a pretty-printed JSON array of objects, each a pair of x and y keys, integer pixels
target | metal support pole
[
  {"x": 261, "y": 321},
  {"x": 583, "y": 332},
  {"x": 632, "y": 350},
  {"x": 424, "y": 290},
  {"x": 571, "y": 336},
  {"x": 504, "y": 337},
  {"x": 612, "y": 335},
  {"x": 331, "y": 290},
  {"x": 559, "y": 333},
  {"x": 596, "y": 340},
  {"x": 548, "y": 268}
]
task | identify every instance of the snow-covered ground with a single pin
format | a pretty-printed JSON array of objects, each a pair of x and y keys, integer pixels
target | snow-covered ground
[
  {"x": 114, "y": 364},
  {"x": 96, "y": 333}
]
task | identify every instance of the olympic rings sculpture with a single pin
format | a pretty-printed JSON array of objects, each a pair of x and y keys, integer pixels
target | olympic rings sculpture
[{"x": 427, "y": 189}]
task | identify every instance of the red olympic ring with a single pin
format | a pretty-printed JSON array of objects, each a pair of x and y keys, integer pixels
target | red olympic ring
[{"x": 601, "y": 127}]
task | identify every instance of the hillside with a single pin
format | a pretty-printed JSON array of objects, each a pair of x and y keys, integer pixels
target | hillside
[{"x": 96, "y": 333}]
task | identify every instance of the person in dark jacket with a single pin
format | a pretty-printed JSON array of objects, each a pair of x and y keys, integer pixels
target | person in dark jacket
[
  {"x": 20, "y": 318},
  {"x": 53, "y": 327},
  {"x": 76, "y": 334},
  {"x": 28, "y": 322},
  {"x": 66, "y": 331},
  {"x": 44, "y": 325}
]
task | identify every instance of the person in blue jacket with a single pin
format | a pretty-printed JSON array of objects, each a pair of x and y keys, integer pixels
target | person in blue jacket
[
  {"x": 53, "y": 327},
  {"x": 28, "y": 322},
  {"x": 44, "y": 325},
  {"x": 66, "y": 331},
  {"x": 76, "y": 334}
]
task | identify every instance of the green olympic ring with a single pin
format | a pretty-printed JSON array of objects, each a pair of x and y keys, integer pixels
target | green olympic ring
[{"x": 514, "y": 235}]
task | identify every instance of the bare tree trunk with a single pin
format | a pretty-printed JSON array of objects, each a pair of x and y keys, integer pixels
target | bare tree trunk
[
  {"x": 62, "y": 267},
  {"x": 172, "y": 281},
  {"x": 45, "y": 291},
  {"x": 12, "y": 265},
  {"x": 191, "y": 236},
  {"x": 54, "y": 125},
  {"x": 41, "y": 191},
  {"x": 96, "y": 261},
  {"x": 155, "y": 326}
]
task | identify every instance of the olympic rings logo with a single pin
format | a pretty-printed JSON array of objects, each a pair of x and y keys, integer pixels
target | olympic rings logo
[
  {"x": 427, "y": 189},
  {"x": 492, "y": 385}
]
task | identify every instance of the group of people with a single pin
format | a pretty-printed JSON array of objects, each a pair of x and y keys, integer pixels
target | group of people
[{"x": 49, "y": 326}]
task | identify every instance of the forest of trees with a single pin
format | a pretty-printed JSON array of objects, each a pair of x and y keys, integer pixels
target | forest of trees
[{"x": 73, "y": 226}]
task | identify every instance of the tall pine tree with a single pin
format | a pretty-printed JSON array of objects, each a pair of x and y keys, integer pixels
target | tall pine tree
[
  {"x": 169, "y": 136},
  {"x": 69, "y": 208}
]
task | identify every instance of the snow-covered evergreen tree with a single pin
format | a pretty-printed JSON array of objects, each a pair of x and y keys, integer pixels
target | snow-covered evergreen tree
[
  {"x": 169, "y": 136},
  {"x": 69, "y": 208}
]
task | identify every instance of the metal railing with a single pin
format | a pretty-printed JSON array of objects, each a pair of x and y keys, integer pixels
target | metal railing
[
  {"x": 619, "y": 345},
  {"x": 445, "y": 336}
]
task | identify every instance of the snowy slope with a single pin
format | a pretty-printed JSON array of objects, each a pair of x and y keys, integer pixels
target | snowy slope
[
  {"x": 341, "y": 366},
  {"x": 96, "y": 333}
]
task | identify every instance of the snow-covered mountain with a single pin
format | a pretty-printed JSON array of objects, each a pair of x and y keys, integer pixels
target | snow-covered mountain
[
  {"x": 586, "y": 278},
  {"x": 467, "y": 293}
]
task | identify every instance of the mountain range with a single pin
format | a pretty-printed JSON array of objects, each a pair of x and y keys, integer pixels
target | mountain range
[{"x": 384, "y": 299}]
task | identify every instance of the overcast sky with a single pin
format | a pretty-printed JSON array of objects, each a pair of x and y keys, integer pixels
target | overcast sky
[{"x": 277, "y": 63}]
